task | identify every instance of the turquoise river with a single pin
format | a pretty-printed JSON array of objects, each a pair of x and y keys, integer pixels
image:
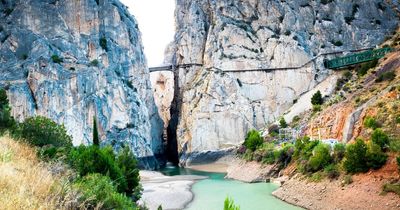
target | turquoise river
[{"x": 209, "y": 194}]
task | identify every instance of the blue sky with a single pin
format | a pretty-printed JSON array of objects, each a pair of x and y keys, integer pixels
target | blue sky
[{"x": 157, "y": 24}]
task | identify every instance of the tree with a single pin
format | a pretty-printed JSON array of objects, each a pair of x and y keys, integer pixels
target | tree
[
  {"x": 376, "y": 157},
  {"x": 282, "y": 123},
  {"x": 316, "y": 99},
  {"x": 320, "y": 158},
  {"x": 127, "y": 162},
  {"x": 6, "y": 120},
  {"x": 95, "y": 133},
  {"x": 355, "y": 157},
  {"x": 253, "y": 140},
  {"x": 380, "y": 138}
]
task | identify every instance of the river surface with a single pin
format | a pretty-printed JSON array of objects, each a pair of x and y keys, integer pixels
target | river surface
[{"x": 209, "y": 194}]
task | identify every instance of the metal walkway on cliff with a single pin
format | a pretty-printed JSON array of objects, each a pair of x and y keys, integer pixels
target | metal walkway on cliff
[{"x": 367, "y": 54}]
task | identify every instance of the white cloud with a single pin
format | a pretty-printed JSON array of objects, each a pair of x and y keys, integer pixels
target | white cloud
[{"x": 157, "y": 24}]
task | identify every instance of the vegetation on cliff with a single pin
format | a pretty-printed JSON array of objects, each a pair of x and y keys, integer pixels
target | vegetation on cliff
[{"x": 93, "y": 177}]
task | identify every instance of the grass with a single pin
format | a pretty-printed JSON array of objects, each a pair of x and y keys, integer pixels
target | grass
[
  {"x": 27, "y": 183},
  {"x": 395, "y": 188}
]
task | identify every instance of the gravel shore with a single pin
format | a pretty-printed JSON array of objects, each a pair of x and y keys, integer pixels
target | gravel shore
[{"x": 173, "y": 192}]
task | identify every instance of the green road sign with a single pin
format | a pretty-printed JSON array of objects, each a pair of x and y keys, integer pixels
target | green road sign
[{"x": 357, "y": 58}]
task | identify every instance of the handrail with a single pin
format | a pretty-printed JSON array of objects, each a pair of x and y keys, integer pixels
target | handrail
[{"x": 173, "y": 67}]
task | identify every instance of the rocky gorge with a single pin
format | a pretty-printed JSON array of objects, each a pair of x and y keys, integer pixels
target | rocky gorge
[
  {"x": 73, "y": 61},
  {"x": 215, "y": 104}
]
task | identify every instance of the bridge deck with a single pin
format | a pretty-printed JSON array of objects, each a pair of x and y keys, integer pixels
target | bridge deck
[{"x": 334, "y": 63}]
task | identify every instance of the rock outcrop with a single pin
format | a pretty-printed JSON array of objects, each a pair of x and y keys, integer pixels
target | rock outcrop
[
  {"x": 216, "y": 107},
  {"x": 73, "y": 60}
]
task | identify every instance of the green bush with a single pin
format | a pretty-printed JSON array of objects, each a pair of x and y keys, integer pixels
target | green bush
[
  {"x": 282, "y": 123},
  {"x": 370, "y": 122},
  {"x": 56, "y": 59},
  {"x": 320, "y": 158},
  {"x": 6, "y": 120},
  {"x": 394, "y": 145},
  {"x": 363, "y": 69},
  {"x": 398, "y": 162},
  {"x": 394, "y": 188},
  {"x": 127, "y": 162},
  {"x": 230, "y": 205},
  {"x": 50, "y": 152},
  {"x": 355, "y": 157},
  {"x": 375, "y": 157},
  {"x": 41, "y": 131},
  {"x": 94, "y": 62},
  {"x": 103, "y": 43},
  {"x": 317, "y": 108},
  {"x": 98, "y": 191},
  {"x": 347, "y": 180},
  {"x": 253, "y": 140},
  {"x": 92, "y": 159},
  {"x": 331, "y": 171},
  {"x": 380, "y": 138},
  {"x": 386, "y": 76},
  {"x": 339, "y": 151},
  {"x": 316, "y": 99}
]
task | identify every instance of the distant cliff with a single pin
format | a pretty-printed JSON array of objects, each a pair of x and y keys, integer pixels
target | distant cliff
[
  {"x": 216, "y": 108},
  {"x": 72, "y": 60}
]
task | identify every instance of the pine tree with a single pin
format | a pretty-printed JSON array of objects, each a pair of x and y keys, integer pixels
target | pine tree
[
  {"x": 317, "y": 98},
  {"x": 95, "y": 133}
]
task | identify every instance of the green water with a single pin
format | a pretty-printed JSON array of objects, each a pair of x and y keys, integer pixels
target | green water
[{"x": 209, "y": 194}]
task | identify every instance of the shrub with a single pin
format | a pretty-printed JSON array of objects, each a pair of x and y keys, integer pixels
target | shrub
[
  {"x": 98, "y": 191},
  {"x": 394, "y": 188},
  {"x": 398, "y": 162},
  {"x": 103, "y": 43},
  {"x": 363, "y": 69},
  {"x": 380, "y": 138},
  {"x": 326, "y": 1},
  {"x": 331, "y": 171},
  {"x": 337, "y": 43},
  {"x": 6, "y": 120},
  {"x": 127, "y": 162},
  {"x": 316, "y": 99},
  {"x": 56, "y": 59},
  {"x": 92, "y": 159},
  {"x": 376, "y": 158},
  {"x": 316, "y": 177},
  {"x": 273, "y": 130},
  {"x": 282, "y": 123},
  {"x": 370, "y": 122},
  {"x": 394, "y": 145},
  {"x": 355, "y": 157},
  {"x": 230, "y": 205},
  {"x": 253, "y": 140},
  {"x": 41, "y": 131},
  {"x": 347, "y": 180},
  {"x": 339, "y": 151},
  {"x": 317, "y": 108},
  {"x": 94, "y": 62},
  {"x": 386, "y": 76},
  {"x": 320, "y": 158}
]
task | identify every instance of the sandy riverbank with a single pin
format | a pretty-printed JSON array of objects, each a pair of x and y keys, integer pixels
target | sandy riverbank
[{"x": 172, "y": 192}]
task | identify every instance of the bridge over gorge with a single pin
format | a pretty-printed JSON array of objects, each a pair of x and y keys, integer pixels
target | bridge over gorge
[{"x": 358, "y": 56}]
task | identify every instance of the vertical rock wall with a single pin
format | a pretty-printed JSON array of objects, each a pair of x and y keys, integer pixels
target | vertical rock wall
[
  {"x": 217, "y": 108},
  {"x": 102, "y": 72}
]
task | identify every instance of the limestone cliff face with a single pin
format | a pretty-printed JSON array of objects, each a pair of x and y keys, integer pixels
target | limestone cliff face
[
  {"x": 72, "y": 60},
  {"x": 217, "y": 108}
]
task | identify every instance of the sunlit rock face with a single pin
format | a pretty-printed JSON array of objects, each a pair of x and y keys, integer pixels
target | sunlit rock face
[
  {"x": 102, "y": 72},
  {"x": 218, "y": 108}
]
